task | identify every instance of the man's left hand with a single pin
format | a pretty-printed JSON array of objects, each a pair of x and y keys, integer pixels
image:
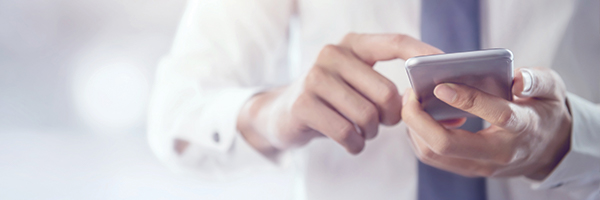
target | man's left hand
[{"x": 528, "y": 136}]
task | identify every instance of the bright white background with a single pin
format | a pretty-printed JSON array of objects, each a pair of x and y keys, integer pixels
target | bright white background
[{"x": 75, "y": 76}]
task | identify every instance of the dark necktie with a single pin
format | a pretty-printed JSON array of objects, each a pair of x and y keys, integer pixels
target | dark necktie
[{"x": 452, "y": 26}]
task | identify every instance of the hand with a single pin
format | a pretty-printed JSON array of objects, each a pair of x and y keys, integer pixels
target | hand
[
  {"x": 341, "y": 97},
  {"x": 528, "y": 136}
]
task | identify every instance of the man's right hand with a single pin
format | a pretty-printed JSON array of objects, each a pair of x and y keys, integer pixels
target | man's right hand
[{"x": 341, "y": 97}]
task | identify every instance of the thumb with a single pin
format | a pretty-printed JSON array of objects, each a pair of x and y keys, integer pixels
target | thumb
[{"x": 538, "y": 83}]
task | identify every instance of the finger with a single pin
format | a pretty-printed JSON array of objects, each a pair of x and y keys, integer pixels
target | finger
[
  {"x": 538, "y": 82},
  {"x": 372, "y": 85},
  {"x": 377, "y": 47},
  {"x": 318, "y": 116},
  {"x": 464, "y": 167},
  {"x": 345, "y": 100},
  {"x": 453, "y": 143},
  {"x": 495, "y": 110}
]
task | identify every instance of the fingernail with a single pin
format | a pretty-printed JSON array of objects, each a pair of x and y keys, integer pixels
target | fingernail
[
  {"x": 445, "y": 92},
  {"x": 527, "y": 81},
  {"x": 405, "y": 96}
]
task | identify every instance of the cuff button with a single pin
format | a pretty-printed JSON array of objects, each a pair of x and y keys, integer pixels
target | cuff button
[{"x": 216, "y": 137}]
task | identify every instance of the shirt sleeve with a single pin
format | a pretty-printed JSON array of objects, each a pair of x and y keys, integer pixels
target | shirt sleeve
[
  {"x": 579, "y": 171},
  {"x": 224, "y": 52}
]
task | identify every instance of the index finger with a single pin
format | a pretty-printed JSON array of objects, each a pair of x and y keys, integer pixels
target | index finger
[{"x": 378, "y": 47}]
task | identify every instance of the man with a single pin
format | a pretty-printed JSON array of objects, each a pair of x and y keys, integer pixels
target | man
[{"x": 228, "y": 98}]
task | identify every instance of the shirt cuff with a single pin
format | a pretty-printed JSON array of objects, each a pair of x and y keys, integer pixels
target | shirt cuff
[
  {"x": 215, "y": 127},
  {"x": 237, "y": 162},
  {"x": 581, "y": 164},
  {"x": 217, "y": 148}
]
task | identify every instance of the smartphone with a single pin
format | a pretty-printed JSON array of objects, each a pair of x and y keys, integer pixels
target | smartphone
[{"x": 489, "y": 70}]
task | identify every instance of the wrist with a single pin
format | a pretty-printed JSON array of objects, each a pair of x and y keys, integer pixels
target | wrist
[{"x": 247, "y": 125}]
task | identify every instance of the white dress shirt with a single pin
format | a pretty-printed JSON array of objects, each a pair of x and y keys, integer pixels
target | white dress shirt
[{"x": 226, "y": 51}]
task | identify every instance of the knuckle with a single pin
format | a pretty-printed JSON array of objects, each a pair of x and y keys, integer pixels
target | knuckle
[
  {"x": 314, "y": 77},
  {"x": 554, "y": 75},
  {"x": 505, "y": 118},
  {"x": 372, "y": 133},
  {"x": 469, "y": 101},
  {"x": 406, "y": 115},
  {"x": 330, "y": 50},
  {"x": 356, "y": 148},
  {"x": 368, "y": 113},
  {"x": 427, "y": 155},
  {"x": 303, "y": 101},
  {"x": 345, "y": 132},
  {"x": 399, "y": 38},
  {"x": 368, "y": 120},
  {"x": 558, "y": 83},
  {"x": 388, "y": 94},
  {"x": 349, "y": 36},
  {"x": 442, "y": 147}
]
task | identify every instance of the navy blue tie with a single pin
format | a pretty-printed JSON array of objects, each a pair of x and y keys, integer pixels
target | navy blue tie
[{"x": 452, "y": 26}]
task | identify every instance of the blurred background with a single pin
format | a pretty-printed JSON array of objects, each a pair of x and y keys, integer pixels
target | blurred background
[{"x": 75, "y": 77}]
